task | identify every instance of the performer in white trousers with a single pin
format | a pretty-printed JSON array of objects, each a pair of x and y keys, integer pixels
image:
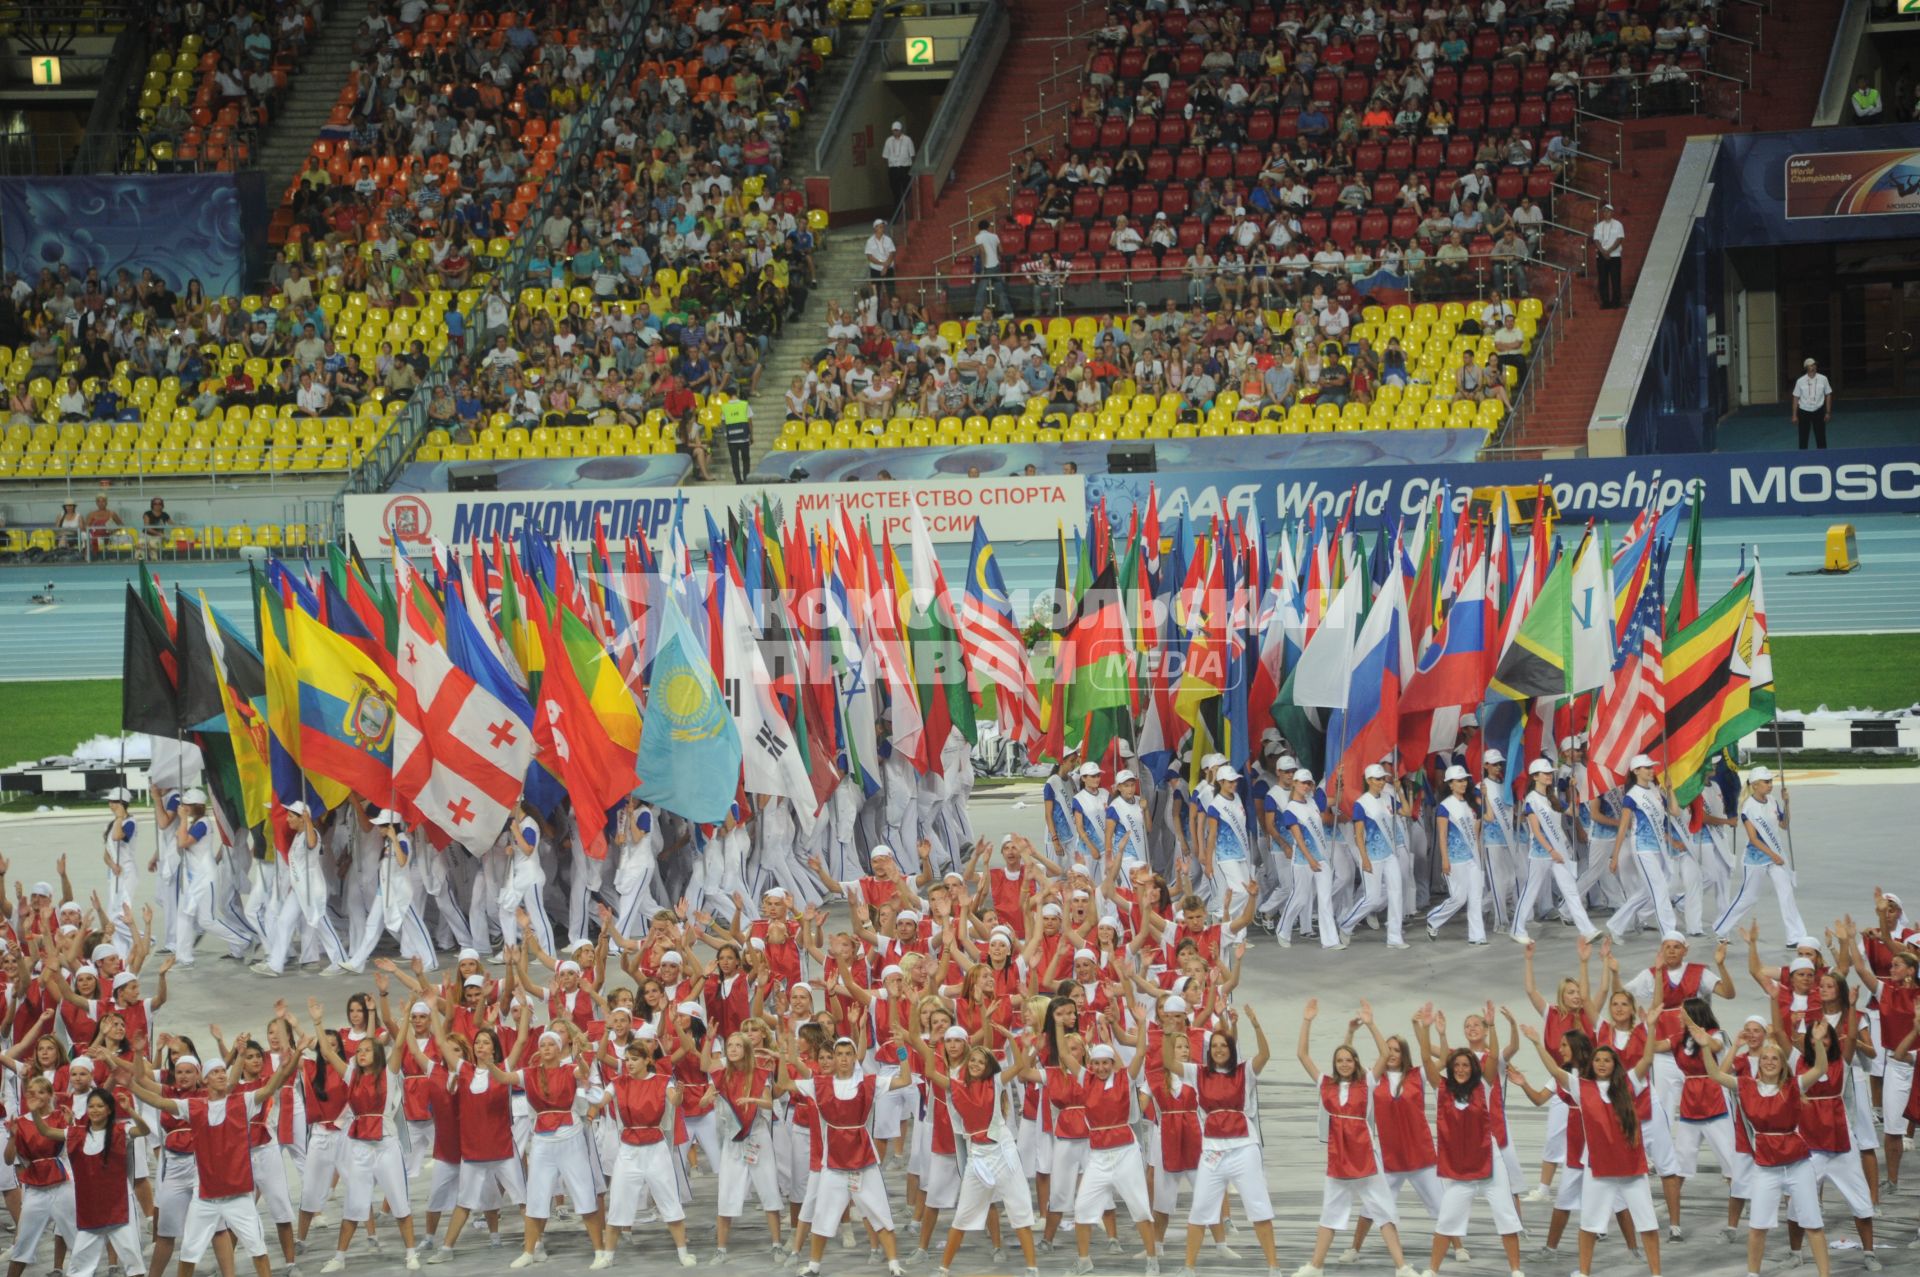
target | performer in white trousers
[
  {"x": 743, "y": 1096},
  {"x": 122, "y": 858},
  {"x": 992, "y": 1174},
  {"x": 302, "y": 911},
  {"x": 165, "y": 864},
  {"x": 199, "y": 842},
  {"x": 374, "y": 1162},
  {"x": 583, "y": 883},
  {"x": 645, "y": 1173},
  {"x": 35, "y": 1148},
  {"x": 1114, "y": 1165},
  {"x": 1379, "y": 837},
  {"x": 1302, "y": 830},
  {"x": 99, "y": 1148},
  {"x": 1764, "y": 821},
  {"x": 1644, "y": 822},
  {"x": 1550, "y": 857},
  {"x": 1457, "y": 831},
  {"x": 636, "y": 880},
  {"x": 391, "y": 909},
  {"x": 526, "y": 877},
  {"x": 777, "y": 838},
  {"x": 1499, "y": 840},
  {"x": 1229, "y": 1142}
]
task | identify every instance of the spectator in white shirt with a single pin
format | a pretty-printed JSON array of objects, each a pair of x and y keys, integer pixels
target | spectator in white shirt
[
  {"x": 1812, "y": 405},
  {"x": 897, "y": 151},
  {"x": 880, "y": 253}
]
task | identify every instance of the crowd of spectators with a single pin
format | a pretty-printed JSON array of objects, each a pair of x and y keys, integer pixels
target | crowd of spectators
[
  {"x": 884, "y": 358},
  {"x": 1246, "y": 152},
  {"x": 217, "y": 76},
  {"x": 665, "y": 270}
]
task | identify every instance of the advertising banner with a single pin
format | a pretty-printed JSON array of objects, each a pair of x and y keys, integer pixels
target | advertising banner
[
  {"x": 1732, "y": 484},
  {"x": 179, "y": 226},
  {"x": 1012, "y": 509},
  {"x": 1853, "y": 183}
]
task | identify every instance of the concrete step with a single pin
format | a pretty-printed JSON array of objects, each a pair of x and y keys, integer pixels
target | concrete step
[{"x": 309, "y": 101}]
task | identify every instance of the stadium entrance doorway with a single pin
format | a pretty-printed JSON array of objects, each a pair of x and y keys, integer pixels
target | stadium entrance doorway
[{"x": 1855, "y": 308}]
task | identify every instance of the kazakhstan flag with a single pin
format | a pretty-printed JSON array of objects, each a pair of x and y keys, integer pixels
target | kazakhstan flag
[{"x": 689, "y": 759}]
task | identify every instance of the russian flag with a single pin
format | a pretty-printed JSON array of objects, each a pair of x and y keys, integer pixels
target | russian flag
[
  {"x": 1454, "y": 669},
  {"x": 1364, "y": 732}
]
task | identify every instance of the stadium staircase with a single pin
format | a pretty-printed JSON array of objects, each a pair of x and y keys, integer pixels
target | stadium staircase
[
  {"x": 311, "y": 95},
  {"x": 996, "y": 138},
  {"x": 1787, "y": 78},
  {"x": 840, "y": 269}
]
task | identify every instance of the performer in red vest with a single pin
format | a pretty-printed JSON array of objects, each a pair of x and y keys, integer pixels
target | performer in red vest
[
  {"x": 1353, "y": 1176},
  {"x": 1229, "y": 1152},
  {"x": 98, "y": 1147},
  {"x": 220, "y": 1125},
  {"x": 850, "y": 1173},
  {"x": 646, "y": 1104}
]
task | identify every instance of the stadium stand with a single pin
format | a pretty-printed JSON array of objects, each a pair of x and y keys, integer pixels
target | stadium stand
[
  {"x": 216, "y": 77},
  {"x": 648, "y": 285}
]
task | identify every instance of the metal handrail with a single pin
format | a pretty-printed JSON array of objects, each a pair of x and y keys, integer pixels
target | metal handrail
[{"x": 1546, "y": 344}]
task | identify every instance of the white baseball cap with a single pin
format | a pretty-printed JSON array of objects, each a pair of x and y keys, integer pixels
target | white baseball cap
[
  {"x": 882, "y": 850},
  {"x": 1088, "y": 769},
  {"x": 1457, "y": 772},
  {"x": 1492, "y": 757},
  {"x": 1677, "y": 937},
  {"x": 897, "y": 126},
  {"x": 1226, "y": 774},
  {"x": 1212, "y": 760},
  {"x": 1759, "y": 774},
  {"x": 1301, "y": 773},
  {"x": 1101, "y": 1052},
  {"x": 297, "y": 808},
  {"x": 197, "y": 796},
  {"x": 386, "y": 818},
  {"x": 1174, "y": 1005},
  {"x": 118, "y": 794},
  {"x": 1800, "y": 964},
  {"x": 1374, "y": 772},
  {"x": 1639, "y": 761},
  {"x": 693, "y": 1009},
  {"x": 1123, "y": 776},
  {"x": 1539, "y": 767}
]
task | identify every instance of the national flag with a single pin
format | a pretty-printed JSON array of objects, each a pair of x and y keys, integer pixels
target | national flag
[
  {"x": 940, "y": 659},
  {"x": 1452, "y": 673},
  {"x": 148, "y": 697},
  {"x": 1751, "y": 704},
  {"x": 465, "y": 738},
  {"x": 771, "y": 760},
  {"x": 1591, "y": 616},
  {"x": 1325, "y": 669},
  {"x": 856, "y": 675},
  {"x": 1700, "y": 677},
  {"x": 246, "y": 730},
  {"x": 991, "y": 633},
  {"x": 907, "y": 728},
  {"x": 282, "y": 679},
  {"x": 1365, "y": 730},
  {"x": 346, "y": 711},
  {"x": 1539, "y": 651},
  {"x": 1685, "y": 606},
  {"x": 689, "y": 760},
  {"x": 1632, "y": 708},
  {"x": 1204, "y": 671},
  {"x": 1098, "y": 697},
  {"x": 586, "y": 724}
]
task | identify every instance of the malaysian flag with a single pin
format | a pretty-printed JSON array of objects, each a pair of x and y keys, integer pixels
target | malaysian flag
[{"x": 988, "y": 629}]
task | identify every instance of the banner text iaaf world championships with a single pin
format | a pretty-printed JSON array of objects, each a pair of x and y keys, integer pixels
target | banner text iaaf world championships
[{"x": 1854, "y": 481}]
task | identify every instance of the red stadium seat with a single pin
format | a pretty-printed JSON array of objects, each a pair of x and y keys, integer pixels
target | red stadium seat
[
  {"x": 1343, "y": 229},
  {"x": 1073, "y": 238},
  {"x": 1374, "y": 226},
  {"x": 1173, "y": 202}
]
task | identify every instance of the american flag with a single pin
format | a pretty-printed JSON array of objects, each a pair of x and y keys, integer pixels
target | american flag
[{"x": 1633, "y": 704}]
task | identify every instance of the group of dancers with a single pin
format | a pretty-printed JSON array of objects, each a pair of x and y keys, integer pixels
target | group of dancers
[{"x": 1004, "y": 1034}]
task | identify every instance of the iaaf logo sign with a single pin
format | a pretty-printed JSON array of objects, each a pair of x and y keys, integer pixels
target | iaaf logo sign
[{"x": 1859, "y": 481}]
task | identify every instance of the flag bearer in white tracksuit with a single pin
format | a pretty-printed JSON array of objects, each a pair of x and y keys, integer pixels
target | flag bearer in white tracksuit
[
  {"x": 636, "y": 880},
  {"x": 1764, "y": 820},
  {"x": 391, "y": 909},
  {"x": 166, "y": 859},
  {"x": 1303, "y": 824},
  {"x": 1457, "y": 831},
  {"x": 123, "y": 864},
  {"x": 1550, "y": 856},
  {"x": 1499, "y": 843},
  {"x": 526, "y": 879},
  {"x": 302, "y": 911},
  {"x": 1643, "y": 820},
  {"x": 1380, "y": 840}
]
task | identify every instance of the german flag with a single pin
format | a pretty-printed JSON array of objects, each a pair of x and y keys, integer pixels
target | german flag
[{"x": 1701, "y": 682}]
